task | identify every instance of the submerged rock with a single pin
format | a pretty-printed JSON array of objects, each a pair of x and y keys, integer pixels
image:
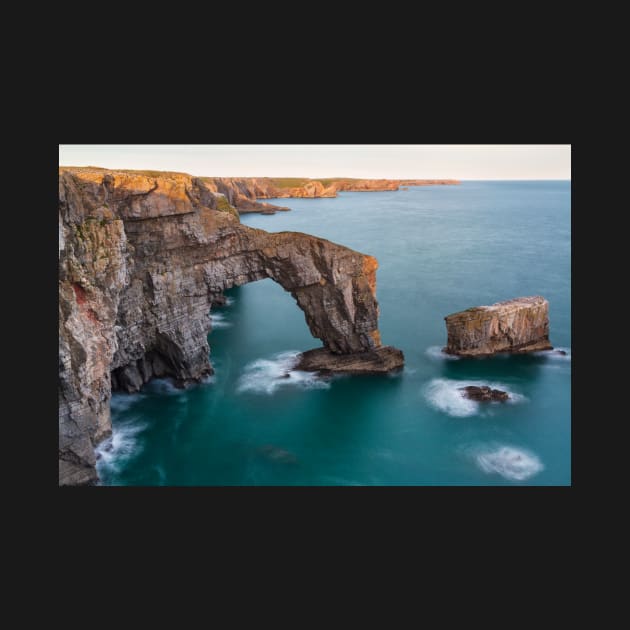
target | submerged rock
[
  {"x": 276, "y": 454},
  {"x": 484, "y": 393},
  {"x": 517, "y": 326}
]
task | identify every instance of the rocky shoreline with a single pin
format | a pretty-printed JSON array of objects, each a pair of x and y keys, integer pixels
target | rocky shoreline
[
  {"x": 243, "y": 193},
  {"x": 142, "y": 259}
]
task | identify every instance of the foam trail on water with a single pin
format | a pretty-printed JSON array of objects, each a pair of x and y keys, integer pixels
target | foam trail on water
[
  {"x": 435, "y": 352},
  {"x": 553, "y": 355},
  {"x": 218, "y": 321},
  {"x": 121, "y": 402},
  {"x": 444, "y": 394},
  {"x": 265, "y": 376},
  {"x": 515, "y": 464},
  {"x": 229, "y": 301},
  {"x": 163, "y": 386}
]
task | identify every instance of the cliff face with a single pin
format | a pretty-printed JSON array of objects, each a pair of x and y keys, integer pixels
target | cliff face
[
  {"x": 243, "y": 192},
  {"x": 518, "y": 325},
  {"x": 142, "y": 259}
]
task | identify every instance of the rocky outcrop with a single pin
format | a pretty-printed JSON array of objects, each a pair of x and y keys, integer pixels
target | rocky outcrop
[
  {"x": 243, "y": 192},
  {"x": 377, "y": 361},
  {"x": 143, "y": 258},
  {"x": 517, "y": 326},
  {"x": 484, "y": 394}
]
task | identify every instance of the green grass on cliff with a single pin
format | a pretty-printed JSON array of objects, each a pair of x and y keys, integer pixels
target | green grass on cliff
[
  {"x": 295, "y": 182},
  {"x": 288, "y": 182},
  {"x": 223, "y": 205},
  {"x": 125, "y": 170}
]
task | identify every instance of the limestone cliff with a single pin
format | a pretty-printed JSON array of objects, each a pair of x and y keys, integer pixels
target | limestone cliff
[
  {"x": 518, "y": 325},
  {"x": 243, "y": 193},
  {"x": 142, "y": 258}
]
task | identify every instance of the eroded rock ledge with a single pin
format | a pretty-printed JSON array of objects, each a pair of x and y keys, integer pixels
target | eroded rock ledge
[
  {"x": 142, "y": 259},
  {"x": 515, "y": 326},
  {"x": 377, "y": 361}
]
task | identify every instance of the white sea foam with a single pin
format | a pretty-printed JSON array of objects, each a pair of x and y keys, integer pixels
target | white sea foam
[
  {"x": 508, "y": 461},
  {"x": 435, "y": 352},
  {"x": 265, "y": 376},
  {"x": 119, "y": 447},
  {"x": 445, "y": 395},
  {"x": 163, "y": 386},
  {"x": 218, "y": 321},
  {"x": 229, "y": 301},
  {"x": 553, "y": 355},
  {"x": 121, "y": 402}
]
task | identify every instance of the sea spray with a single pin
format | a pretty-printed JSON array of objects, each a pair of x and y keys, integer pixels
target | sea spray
[{"x": 265, "y": 376}]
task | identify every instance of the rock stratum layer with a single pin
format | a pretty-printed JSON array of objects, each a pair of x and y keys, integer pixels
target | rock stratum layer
[
  {"x": 517, "y": 326},
  {"x": 142, "y": 258}
]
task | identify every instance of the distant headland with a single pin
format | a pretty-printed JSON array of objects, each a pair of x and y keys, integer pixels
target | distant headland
[{"x": 243, "y": 192}]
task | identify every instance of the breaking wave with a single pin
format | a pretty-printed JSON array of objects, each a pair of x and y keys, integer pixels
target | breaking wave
[
  {"x": 265, "y": 376},
  {"x": 120, "y": 402},
  {"x": 515, "y": 464},
  {"x": 218, "y": 321},
  {"x": 117, "y": 449},
  {"x": 444, "y": 395},
  {"x": 555, "y": 354}
]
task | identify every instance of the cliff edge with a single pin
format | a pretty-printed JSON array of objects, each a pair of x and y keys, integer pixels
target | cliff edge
[{"x": 142, "y": 258}]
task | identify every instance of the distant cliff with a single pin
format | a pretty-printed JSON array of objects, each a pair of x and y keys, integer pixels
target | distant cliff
[
  {"x": 243, "y": 192},
  {"x": 142, "y": 258}
]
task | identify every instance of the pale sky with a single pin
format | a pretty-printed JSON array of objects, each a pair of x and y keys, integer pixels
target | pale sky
[{"x": 393, "y": 161}]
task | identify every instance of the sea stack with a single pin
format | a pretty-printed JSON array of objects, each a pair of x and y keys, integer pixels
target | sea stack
[{"x": 516, "y": 326}]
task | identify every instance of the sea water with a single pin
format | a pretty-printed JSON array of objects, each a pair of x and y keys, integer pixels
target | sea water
[{"x": 441, "y": 249}]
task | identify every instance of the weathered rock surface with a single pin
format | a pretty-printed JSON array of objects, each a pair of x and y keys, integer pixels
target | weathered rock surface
[
  {"x": 243, "y": 192},
  {"x": 517, "y": 326},
  {"x": 484, "y": 393},
  {"x": 377, "y": 361},
  {"x": 142, "y": 259}
]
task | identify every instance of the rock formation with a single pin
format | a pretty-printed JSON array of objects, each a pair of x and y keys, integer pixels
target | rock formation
[
  {"x": 377, "y": 361},
  {"x": 142, "y": 259},
  {"x": 484, "y": 394},
  {"x": 243, "y": 192},
  {"x": 518, "y": 325}
]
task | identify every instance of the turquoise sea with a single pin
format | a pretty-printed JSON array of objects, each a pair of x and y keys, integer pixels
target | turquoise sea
[{"x": 440, "y": 249}]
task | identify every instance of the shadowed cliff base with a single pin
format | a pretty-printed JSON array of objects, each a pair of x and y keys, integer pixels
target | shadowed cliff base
[{"x": 142, "y": 259}]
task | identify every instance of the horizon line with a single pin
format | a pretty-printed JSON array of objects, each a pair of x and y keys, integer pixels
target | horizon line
[{"x": 462, "y": 179}]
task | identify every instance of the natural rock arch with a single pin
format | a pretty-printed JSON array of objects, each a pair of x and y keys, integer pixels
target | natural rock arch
[{"x": 141, "y": 260}]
